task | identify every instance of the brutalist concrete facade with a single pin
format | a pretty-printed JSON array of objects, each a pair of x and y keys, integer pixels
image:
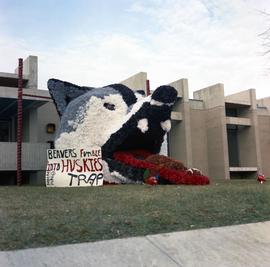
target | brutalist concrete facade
[
  {"x": 38, "y": 112},
  {"x": 224, "y": 136}
]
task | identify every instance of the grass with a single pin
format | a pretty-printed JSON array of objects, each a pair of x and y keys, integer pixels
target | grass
[{"x": 39, "y": 216}]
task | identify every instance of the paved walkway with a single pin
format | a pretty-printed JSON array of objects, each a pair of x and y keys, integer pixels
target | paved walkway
[{"x": 242, "y": 245}]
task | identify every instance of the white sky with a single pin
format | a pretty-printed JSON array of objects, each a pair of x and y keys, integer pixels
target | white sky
[{"x": 95, "y": 43}]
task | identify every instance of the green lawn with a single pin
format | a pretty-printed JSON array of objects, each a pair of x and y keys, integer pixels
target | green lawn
[{"x": 39, "y": 216}]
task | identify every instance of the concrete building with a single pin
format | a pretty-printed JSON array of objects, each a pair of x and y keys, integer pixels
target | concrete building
[
  {"x": 39, "y": 115},
  {"x": 224, "y": 136}
]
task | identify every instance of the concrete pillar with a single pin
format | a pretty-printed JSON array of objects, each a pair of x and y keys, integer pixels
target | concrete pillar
[
  {"x": 136, "y": 82},
  {"x": 216, "y": 131},
  {"x": 30, "y": 69},
  {"x": 180, "y": 134},
  {"x": 181, "y": 87},
  {"x": 264, "y": 137},
  {"x": 199, "y": 138},
  {"x": 248, "y": 138}
]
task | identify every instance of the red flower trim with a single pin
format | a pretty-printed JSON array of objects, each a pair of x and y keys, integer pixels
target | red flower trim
[
  {"x": 183, "y": 177},
  {"x": 171, "y": 175},
  {"x": 130, "y": 159}
]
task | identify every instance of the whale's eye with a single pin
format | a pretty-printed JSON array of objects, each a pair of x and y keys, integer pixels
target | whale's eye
[{"x": 109, "y": 106}]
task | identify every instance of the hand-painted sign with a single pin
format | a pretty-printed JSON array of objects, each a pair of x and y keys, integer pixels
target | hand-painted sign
[{"x": 74, "y": 167}]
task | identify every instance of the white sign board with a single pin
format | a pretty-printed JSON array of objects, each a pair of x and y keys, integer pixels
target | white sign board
[{"x": 74, "y": 167}]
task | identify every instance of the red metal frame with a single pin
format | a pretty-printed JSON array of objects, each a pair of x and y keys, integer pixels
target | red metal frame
[
  {"x": 19, "y": 122},
  {"x": 147, "y": 87}
]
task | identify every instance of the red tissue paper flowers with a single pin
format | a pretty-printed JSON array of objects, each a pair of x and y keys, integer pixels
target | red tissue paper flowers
[{"x": 172, "y": 171}]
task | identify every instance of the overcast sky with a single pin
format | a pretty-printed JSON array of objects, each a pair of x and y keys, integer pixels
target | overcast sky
[{"x": 100, "y": 42}]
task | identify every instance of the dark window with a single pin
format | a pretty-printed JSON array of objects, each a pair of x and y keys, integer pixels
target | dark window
[
  {"x": 231, "y": 112},
  {"x": 4, "y": 131},
  {"x": 232, "y": 135}
]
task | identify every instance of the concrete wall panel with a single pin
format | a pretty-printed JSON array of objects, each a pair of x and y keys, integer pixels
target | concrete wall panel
[
  {"x": 218, "y": 159},
  {"x": 34, "y": 156},
  {"x": 46, "y": 114},
  {"x": 199, "y": 141},
  {"x": 242, "y": 97},
  {"x": 264, "y": 139},
  {"x": 137, "y": 81}
]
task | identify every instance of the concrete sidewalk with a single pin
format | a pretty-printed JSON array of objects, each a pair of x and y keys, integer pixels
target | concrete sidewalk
[{"x": 242, "y": 245}]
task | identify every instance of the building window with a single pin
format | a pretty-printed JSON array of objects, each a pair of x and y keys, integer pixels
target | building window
[
  {"x": 231, "y": 112},
  {"x": 4, "y": 131}
]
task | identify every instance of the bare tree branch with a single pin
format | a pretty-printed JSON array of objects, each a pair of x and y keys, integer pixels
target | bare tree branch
[{"x": 265, "y": 35}]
